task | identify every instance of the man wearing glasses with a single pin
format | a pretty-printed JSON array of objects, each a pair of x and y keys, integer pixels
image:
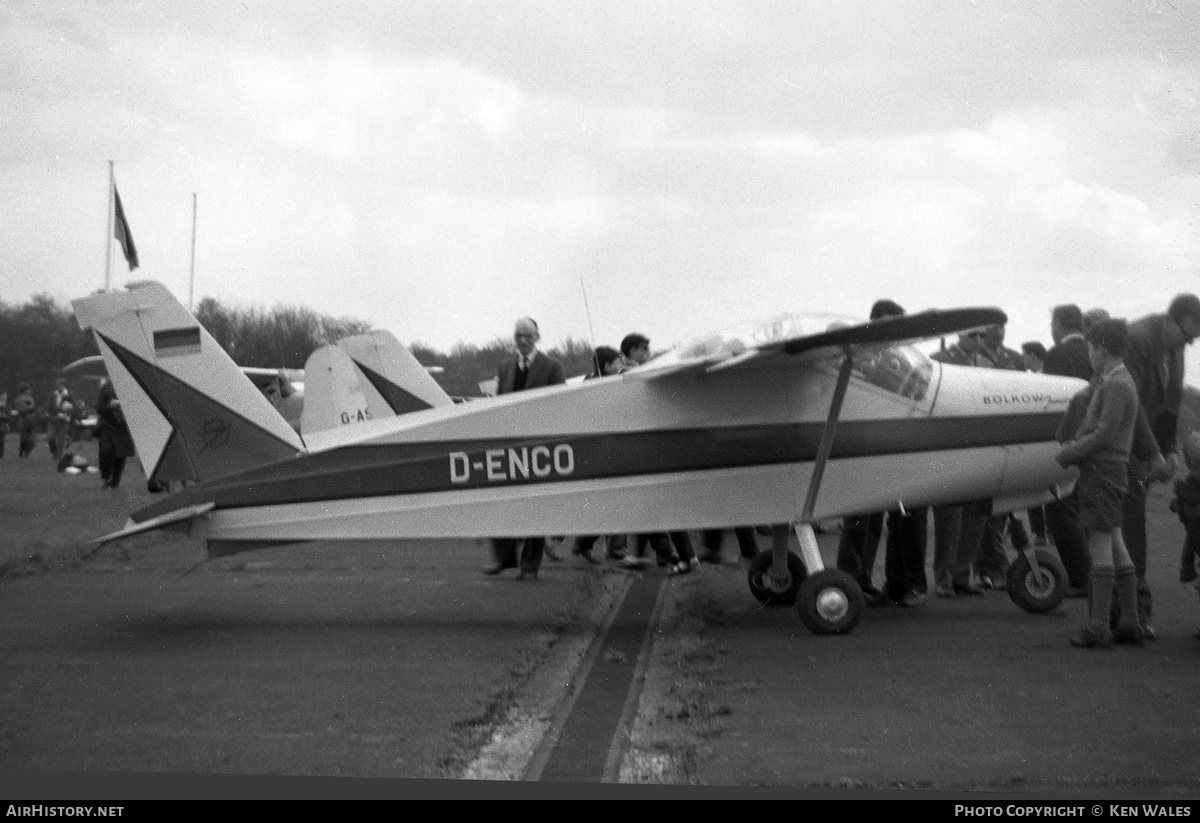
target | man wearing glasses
[{"x": 526, "y": 369}]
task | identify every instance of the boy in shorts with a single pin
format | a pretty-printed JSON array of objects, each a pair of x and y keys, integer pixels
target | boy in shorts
[{"x": 1101, "y": 448}]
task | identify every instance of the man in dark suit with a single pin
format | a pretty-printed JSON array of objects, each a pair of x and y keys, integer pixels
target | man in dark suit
[
  {"x": 1069, "y": 358},
  {"x": 527, "y": 368},
  {"x": 1154, "y": 357}
]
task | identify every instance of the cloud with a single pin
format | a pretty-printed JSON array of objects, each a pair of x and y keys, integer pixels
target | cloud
[{"x": 440, "y": 168}]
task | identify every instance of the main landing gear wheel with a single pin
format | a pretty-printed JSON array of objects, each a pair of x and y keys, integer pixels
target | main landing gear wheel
[
  {"x": 1038, "y": 591},
  {"x": 830, "y": 602},
  {"x": 765, "y": 589}
]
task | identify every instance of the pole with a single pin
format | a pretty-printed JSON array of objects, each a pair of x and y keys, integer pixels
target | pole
[
  {"x": 591, "y": 331},
  {"x": 109, "y": 237},
  {"x": 192, "y": 277}
]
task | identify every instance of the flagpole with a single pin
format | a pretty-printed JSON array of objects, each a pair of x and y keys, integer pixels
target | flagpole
[
  {"x": 591, "y": 330},
  {"x": 109, "y": 234},
  {"x": 192, "y": 277}
]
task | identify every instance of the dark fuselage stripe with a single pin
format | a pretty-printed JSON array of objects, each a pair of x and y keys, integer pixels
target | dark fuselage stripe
[{"x": 415, "y": 468}]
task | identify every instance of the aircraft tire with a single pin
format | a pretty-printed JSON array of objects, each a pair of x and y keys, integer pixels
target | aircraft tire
[
  {"x": 1041, "y": 593},
  {"x": 760, "y": 568},
  {"x": 830, "y": 602}
]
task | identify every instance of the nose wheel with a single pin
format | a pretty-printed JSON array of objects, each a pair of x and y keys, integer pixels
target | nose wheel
[{"x": 830, "y": 602}]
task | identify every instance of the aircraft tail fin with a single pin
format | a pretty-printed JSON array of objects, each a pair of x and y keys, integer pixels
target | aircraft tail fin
[
  {"x": 193, "y": 415},
  {"x": 365, "y": 377}
]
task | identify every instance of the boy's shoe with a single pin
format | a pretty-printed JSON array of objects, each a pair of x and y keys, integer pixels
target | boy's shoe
[
  {"x": 944, "y": 591},
  {"x": 1087, "y": 639},
  {"x": 1147, "y": 631},
  {"x": 911, "y": 600}
]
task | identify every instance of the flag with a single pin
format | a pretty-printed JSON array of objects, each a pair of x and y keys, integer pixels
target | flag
[
  {"x": 122, "y": 233},
  {"x": 169, "y": 342}
]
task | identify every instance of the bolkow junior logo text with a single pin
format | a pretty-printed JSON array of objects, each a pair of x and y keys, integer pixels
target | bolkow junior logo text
[{"x": 1008, "y": 399}]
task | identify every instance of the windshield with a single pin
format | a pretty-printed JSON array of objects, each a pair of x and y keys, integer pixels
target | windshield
[
  {"x": 736, "y": 339},
  {"x": 898, "y": 368}
]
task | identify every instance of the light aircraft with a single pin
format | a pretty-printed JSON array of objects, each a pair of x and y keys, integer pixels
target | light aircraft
[
  {"x": 365, "y": 377},
  {"x": 788, "y": 421}
]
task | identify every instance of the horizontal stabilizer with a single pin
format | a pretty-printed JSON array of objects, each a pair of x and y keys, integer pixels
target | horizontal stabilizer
[{"x": 178, "y": 516}]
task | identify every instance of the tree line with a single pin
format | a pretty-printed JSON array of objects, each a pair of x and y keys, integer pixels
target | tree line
[{"x": 41, "y": 336}]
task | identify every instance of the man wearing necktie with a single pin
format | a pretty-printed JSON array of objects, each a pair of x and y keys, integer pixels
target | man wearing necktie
[{"x": 526, "y": 369}]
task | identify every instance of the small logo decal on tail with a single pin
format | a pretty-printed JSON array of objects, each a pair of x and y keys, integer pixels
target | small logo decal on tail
[{"x": 213, "y": 434}]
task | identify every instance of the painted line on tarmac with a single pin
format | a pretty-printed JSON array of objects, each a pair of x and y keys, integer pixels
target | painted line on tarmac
[{"x": 589, "y": 733}]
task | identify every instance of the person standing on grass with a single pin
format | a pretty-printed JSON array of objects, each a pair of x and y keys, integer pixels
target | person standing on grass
[
  {"x": 5, "y": 411},
  {"x": 116, "y": 443},
  {"x": 26, "y": 411},
  {"x": 1101, "y": 448}
]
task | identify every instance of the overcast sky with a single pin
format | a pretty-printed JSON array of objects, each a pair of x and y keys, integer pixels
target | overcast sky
[{"x": 441, "y": 168}]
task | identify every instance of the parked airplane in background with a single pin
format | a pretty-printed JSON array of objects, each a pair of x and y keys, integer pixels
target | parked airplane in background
[
  {"x": 85, "y": 375},
  {"x": 787, "y": 421},
  {"x": 366, "y": 377}
]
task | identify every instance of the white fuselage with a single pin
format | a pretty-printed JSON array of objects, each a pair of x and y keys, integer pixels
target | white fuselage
[{"x": 628, "y": 454}]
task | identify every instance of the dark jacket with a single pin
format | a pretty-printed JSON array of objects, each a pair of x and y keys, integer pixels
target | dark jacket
[
  {"x": 111, "y": 429},
  {"x": 1069, "y": 359},
  {"x": 1157, "y": 371},
  {"x": 543, "y": 371}
]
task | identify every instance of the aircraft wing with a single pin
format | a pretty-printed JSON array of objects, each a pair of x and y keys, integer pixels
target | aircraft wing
[
  {"x": 921, "y": 326},
  {"x": 720, "y": 353}
]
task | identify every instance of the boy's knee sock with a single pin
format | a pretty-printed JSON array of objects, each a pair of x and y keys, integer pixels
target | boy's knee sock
[
  {"x": 1100, "y": 601},
  {"x": 1126, "y": 585},
  {"x": 1187, "y": 562}
]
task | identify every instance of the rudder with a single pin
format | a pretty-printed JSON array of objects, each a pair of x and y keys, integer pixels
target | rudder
[{"x": 193, "y": 415}]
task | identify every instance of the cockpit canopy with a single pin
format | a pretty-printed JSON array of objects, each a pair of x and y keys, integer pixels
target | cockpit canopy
[{"x": 899, "y": 368}]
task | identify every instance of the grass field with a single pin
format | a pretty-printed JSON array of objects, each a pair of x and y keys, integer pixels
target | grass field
[{"x": 48, "y": 519}]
